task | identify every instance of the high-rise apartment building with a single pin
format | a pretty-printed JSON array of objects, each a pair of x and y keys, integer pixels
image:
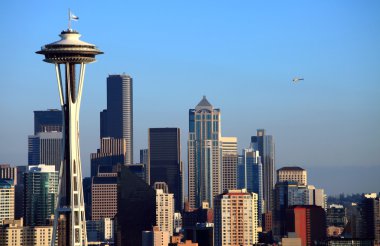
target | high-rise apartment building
[
  {"x": 46, "y": 148},
  {"x": 293, "y": 173},
  {"x": 165, "y": 211},
  {"x": 117, "y": 120},
  {"x": 7, "y": 200},
  {"x": 164, "y": 160},
  {"x": 47, "y": 121},
  {"x": 265, "y": 145},
  {"x": 204, "y": 154},
  {"x": 253, "y": 178},
  {"x": 235, "y": 218},
  {"x": 41, "y": 189},
  {"x": 103, "y": 197},
  {"x": 229, "y": 163}
]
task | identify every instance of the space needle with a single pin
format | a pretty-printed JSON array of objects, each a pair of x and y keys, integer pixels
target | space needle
[{"x": 70, "y": 55}]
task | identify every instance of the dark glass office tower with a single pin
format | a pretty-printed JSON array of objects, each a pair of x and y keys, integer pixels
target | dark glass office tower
[
  {"x": 48, "y": 121},
  {"x": 164, "y": 160},
  {"x": 136, "y": 208},
  {"x": 370, "y": 217},
  {"x": 265, "y": 145},
  {"x": 117, "y": 120},
  {"x": 45, "y": 146}
]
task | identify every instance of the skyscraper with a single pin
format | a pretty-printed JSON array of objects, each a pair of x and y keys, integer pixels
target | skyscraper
[
  {"x": 19, "y": 192},
  {"x": 265, "y": 145},
  {"x": 164, "y": 160},
  {"x": 136, "y": 208},
  {"x": 253, "y": 178},
  {"x": 47, "y": 121},
  {"x": 370, "y": 217},
  {"x": 235, "y": 218},
  {"x": 229, "y": 163},
  {"x": 45, "y": 148},
  {"x": 41, "y": 189},
  {"x": 204, "y": 154},
  {"x": 117, "y": 120}
]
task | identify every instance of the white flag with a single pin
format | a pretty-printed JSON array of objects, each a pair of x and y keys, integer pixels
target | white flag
[{"x": 73, "y": 17}]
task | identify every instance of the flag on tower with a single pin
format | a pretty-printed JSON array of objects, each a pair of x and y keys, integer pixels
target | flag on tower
[{"x": 73, "y": 17}]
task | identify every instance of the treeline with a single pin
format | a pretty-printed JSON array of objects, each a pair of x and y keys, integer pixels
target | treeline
[{"x": 345, "y": 199}]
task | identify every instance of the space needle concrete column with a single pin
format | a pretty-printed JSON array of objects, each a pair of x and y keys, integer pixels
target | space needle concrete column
[{"x": 70, "y": 54}]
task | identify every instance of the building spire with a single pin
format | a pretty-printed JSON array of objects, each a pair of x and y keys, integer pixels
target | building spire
[{"x": 204, "y": 103}]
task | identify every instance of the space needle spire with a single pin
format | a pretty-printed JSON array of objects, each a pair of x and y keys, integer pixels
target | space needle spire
[{"x": 70, "y": 55}]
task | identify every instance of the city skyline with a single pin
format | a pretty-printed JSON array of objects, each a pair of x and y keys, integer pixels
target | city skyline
[{"x": 330, "y": 119}]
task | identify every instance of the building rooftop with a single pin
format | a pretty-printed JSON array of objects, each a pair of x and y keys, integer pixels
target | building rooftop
[
  {"x": 42, "y": 168},
  {"x": 6, "y": 183},
  {"x": 292, "y": 168},
  {"x": 104, "y": 180},
  {"x": 204, "y": 102}
]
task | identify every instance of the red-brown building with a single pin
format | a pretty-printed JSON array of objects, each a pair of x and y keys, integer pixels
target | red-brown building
[
  {"x": 308, "y": 222},
  {"x": 104, "y": 197},
  {"x": 267, "y": 221}
]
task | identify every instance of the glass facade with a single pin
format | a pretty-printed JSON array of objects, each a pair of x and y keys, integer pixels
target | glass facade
[
  {"x": 41, "y": 189},
  {"x": 165, "y": 160},
  {"x": 204, "y": 154},
  {"x": 252, "y": 177},
  {"x": 265, "y": 145}
]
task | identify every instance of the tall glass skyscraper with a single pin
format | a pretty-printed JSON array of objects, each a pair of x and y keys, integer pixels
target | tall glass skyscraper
[
  {"x": 204, "y": 154},
  {"x": 252, "y": 177},
  {"x": 164, "y": 160},
  {"x": 41, "y": 190},
  {"x": 265, "y": 145},
  {"x": 117, "y": 120}
]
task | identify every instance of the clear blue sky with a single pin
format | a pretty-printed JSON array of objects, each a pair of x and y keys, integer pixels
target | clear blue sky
[{"x": 241, "y": 54}]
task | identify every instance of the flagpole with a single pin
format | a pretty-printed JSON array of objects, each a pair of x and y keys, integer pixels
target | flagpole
[{"x": 69, "y": 19}]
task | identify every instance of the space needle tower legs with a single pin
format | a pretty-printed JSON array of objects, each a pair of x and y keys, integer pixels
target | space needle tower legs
[{"x": 68, "y": 54}]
